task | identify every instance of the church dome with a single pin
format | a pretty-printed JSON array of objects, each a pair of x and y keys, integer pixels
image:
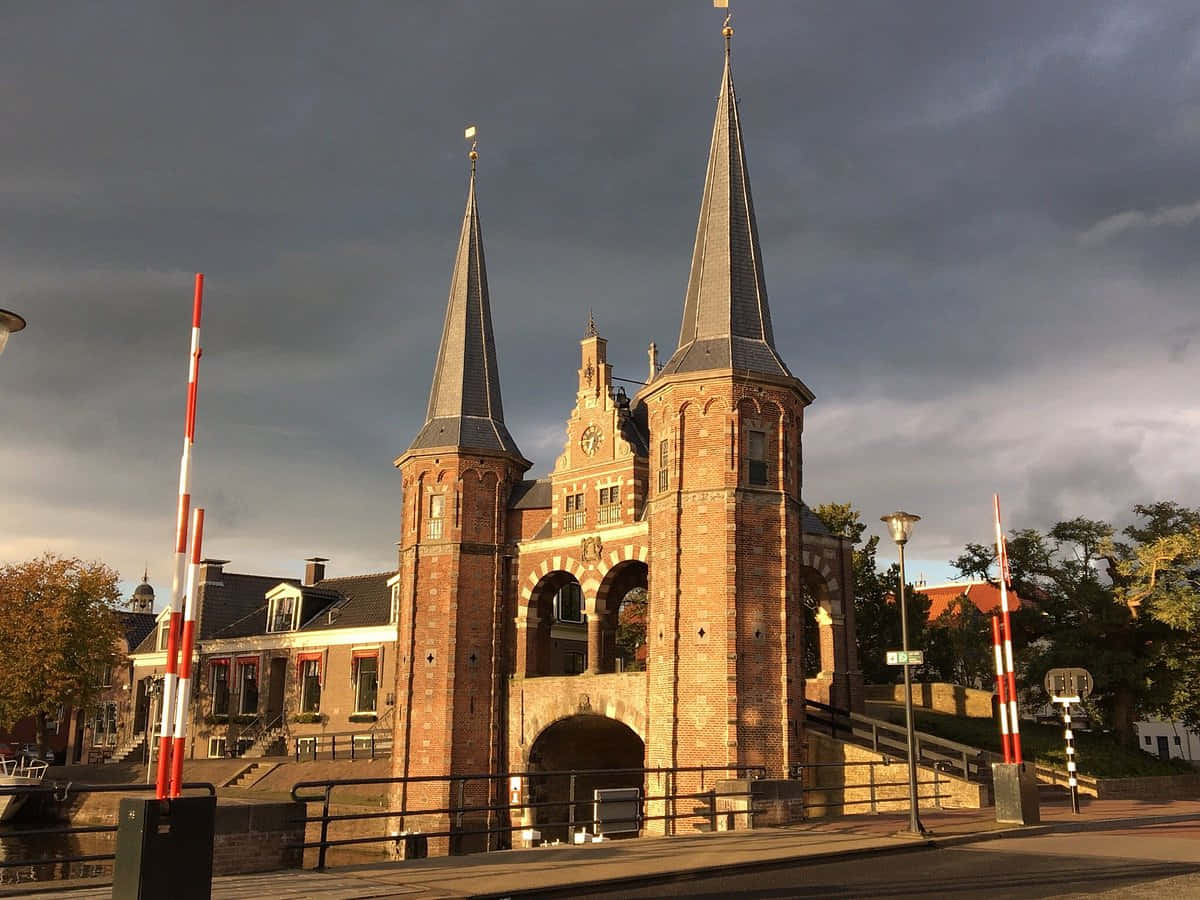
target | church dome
[{"x": 143, "y": 590}]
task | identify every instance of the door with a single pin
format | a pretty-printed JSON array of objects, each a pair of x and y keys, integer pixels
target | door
[
  {"x": 275, "y": 690},
  {"x": 141, "y": 707},
  {"x": 1164, "y": 749}
]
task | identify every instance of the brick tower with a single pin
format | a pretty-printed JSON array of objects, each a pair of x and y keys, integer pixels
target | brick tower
[
  {"x": 457, "y": 475},
  {"x": 725, "y": 660}
]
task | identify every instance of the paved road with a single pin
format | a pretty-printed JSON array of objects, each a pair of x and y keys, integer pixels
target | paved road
[{"x": 1158, "y": 861}]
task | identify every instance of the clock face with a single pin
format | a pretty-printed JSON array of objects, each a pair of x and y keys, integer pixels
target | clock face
[{"x": 591, "y": 440}]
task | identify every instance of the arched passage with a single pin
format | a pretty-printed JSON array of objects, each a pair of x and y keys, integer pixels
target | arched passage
[
  {"x": 556, "y": 643},
  {"x": 580, "y": 743},
  {"x": 619, "y": 623}
]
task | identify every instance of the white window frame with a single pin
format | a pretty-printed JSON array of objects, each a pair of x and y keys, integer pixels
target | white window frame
[
  {"x": 273, "y": 612},
  {"x": 213, "y": 744}
]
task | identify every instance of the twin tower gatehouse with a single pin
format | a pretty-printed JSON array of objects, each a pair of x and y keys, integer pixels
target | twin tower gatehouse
[{"x": 512, "y": 647}]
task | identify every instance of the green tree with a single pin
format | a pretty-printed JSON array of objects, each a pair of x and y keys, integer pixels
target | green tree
[
  {"x": 59, "y": 627},
  {"x": 1159, "y": 578},
  {"x": 1076, "y": 617},
  {"x": 960, "y": 645},
  {"x": 631, "y": 629}
]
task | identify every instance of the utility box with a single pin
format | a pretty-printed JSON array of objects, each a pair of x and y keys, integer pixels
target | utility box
[
  {"x": 1016, "y": 790},
  {"x": 617, "y": 810},
  {"x": 164, "y": 849}
]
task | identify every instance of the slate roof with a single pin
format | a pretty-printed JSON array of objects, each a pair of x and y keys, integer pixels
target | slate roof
[
  {"x": 726, "y": 319},
  {"x": 464, "y": 402},
  {"x": 137, "y": 625},
  {"x": 532, "y": 494},
  {"x": 364, "y": 600},
  {"x": 809, "y": 523}
]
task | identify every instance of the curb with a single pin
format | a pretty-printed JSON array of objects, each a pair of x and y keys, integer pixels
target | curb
[{"x": 932, "y": 843}]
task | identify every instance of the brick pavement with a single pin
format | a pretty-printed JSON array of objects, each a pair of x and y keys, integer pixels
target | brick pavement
[{"x": 598, "y": 866}]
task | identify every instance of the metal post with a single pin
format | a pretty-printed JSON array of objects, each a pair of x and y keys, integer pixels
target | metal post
[
  {"x": 914, "y": 821},
  {"x": 571, "y": 809},
  {"x": 324, "y": 829},
  {"x": 1072, "y": 782}
]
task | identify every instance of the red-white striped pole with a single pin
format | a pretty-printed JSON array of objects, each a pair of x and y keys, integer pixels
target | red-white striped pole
[
  {"x": 181, "y": 521},
  {"x": 185, "y": 656},
  {"x": 998, "y": 649},
  {"x": 1005, "y": 578}
]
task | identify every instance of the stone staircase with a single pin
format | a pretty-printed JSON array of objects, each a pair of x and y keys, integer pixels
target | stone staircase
[
  {"x": 248, "y": 775},
  {"x": 128, "y": 749},
  {"x": 272, "y": 742}
]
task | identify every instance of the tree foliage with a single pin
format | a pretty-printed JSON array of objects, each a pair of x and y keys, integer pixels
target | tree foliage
[
  {"x": 1083, "y": 586},
  {"x": 631, "y": 629},
  {"x": 58, "y": 627}
]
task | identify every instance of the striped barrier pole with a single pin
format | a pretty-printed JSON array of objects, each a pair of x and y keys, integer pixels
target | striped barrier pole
[
  {"x": 1005, "y": 578},
  {"x": 185, "y": 656},
  {"x": 1072, "y": 781},
  {"x": 1005, "y": 739},
  {"x": 167, "y": 723}
]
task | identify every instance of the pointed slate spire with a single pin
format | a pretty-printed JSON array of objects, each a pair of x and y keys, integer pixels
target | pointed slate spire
[
  {"x": 726, "y": 320},
  {"x": 464, "y": 403}
]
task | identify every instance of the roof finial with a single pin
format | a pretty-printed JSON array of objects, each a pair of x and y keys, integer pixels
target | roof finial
[
  {"x": 469, "y": 135},
  {"x": 591, "y": 326},
  {"x": 146, "y": 574},
  {"x": 726, "y": 28}
]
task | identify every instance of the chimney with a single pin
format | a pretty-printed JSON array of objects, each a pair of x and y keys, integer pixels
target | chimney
[
  {"x": 211, "y": 571},
  {"x": 314, "y": 571}
]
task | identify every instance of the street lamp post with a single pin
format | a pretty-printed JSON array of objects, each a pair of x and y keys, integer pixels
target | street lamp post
[
  {"x": 9, "y": 322},
  {"x": 900, "y": 525}
]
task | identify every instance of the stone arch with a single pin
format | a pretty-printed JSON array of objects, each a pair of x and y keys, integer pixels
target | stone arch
[
  {"x": 583, "y": 741},
  {"x": 619, "y": 579},
  {"x": 825, "y": 583},
  {"x": 548, "y": 644}
]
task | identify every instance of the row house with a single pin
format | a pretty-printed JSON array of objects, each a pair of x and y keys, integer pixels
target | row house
[{"x": 285, "y": 665}]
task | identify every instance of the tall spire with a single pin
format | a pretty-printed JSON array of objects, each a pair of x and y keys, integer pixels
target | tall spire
[
  {"x": 464, "y": 403},
  {"x": 726, "y": 320}
]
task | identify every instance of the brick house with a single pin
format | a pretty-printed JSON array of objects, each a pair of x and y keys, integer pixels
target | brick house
[{"x": 284, "y": 664}]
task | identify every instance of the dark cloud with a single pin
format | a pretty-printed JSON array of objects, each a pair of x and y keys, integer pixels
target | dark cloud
[{"x": 977, "y": 222}]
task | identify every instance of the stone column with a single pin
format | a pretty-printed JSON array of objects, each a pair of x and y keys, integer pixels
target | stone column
[{"x": 595, "y": 642}]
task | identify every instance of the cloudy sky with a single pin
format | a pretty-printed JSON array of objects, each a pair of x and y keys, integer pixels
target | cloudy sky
[{"x": 979, "y": 223}]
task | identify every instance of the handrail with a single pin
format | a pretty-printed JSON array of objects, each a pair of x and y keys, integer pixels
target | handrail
[{"x": 894, "y": 737}]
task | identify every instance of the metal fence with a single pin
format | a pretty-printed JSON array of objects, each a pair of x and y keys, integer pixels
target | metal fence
[
  {"x": 342, "y": 745},
  {"x": 493, "y": 823},
  {"x": 56, "y": 801}
]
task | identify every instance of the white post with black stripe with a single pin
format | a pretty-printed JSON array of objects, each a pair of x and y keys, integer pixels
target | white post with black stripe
[{"x": 1072, "y": 780}]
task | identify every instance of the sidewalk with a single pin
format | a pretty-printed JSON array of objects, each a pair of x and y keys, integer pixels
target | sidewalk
[{"x": 606, "y": 866}]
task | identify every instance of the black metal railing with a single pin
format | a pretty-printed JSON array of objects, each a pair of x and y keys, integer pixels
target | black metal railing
[
  {"x": 462, "y": 813},
  {"x": 57, "y": 800},
  {"x": 953, "y": 758},
  {"x": 889, "y": 788},
  {"x": 372, "y": 744}
]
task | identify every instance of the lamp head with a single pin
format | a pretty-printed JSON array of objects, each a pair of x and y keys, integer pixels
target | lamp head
[
  {"x": 9, "y": 322},
  {"x": 900, "y": 525}
]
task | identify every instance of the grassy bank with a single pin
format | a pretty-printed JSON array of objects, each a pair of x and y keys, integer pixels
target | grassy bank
[{"x": 1096, "y": 754}]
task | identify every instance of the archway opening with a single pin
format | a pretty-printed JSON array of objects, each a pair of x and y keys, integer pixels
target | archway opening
[
  {"x": 594, "y": 744},
  {"x": 622, "y": 601},
  {"x": 559, "y": 644}
]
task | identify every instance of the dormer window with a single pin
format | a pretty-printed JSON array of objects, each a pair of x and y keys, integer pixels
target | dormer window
[
  {"x": 282, "y": 612},
  {"x": 164, "y": 634}
]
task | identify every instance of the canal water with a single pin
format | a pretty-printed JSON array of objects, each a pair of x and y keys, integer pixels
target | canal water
[{"x": 52, "y": 847}]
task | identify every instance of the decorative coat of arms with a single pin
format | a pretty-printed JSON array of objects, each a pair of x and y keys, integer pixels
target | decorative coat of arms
[{"x": 590, "y": 549}]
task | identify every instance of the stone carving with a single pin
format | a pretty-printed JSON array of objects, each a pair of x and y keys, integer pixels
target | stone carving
[
  {"x": 590, "y": 549},
  {"x": 585, "y": 702}
]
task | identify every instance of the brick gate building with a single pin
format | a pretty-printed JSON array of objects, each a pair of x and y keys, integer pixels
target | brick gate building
[{"x": 510, "y": 589}]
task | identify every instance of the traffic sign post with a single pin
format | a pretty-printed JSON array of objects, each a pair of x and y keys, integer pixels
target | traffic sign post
[{"x": 1067, "y": 686}]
